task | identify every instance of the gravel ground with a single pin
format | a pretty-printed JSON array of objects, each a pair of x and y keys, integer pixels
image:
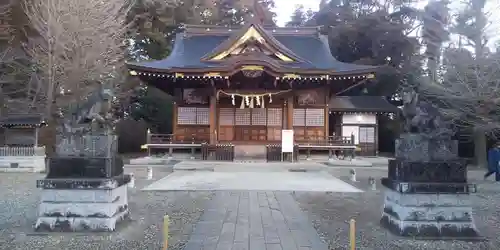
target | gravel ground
[
  {"x": 19, "y": 202},
  {"x": 331, "y": 212}
]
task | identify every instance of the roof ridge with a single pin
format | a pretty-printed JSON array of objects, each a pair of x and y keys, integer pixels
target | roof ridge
[{"x": 214, "y": 29}]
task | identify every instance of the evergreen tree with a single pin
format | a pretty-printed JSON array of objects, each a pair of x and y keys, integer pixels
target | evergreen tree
[
  {"x": 156, "y": 24},
  {"x": 435, "y": 33},
  {"x": 298, "y": 17}
]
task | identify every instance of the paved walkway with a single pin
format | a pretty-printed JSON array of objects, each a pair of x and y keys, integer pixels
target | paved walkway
[
  {"x": 255, "y": 221},
  {"x": 256, "y": 181}
]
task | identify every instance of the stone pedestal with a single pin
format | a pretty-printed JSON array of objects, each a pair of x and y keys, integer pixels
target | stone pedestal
[
  {"x": 84, "y": 192},
  {"x": 427, "y": 192},
  {"x": 428, "y": 215},
  {"x": 81, "y": 205}
]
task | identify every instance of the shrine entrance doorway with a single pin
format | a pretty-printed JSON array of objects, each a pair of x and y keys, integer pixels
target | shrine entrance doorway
[{"x": 250, "y": 125}]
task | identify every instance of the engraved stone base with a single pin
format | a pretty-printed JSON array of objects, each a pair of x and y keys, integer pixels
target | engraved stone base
[
  {"x": 80, "y": 224},
  {"x": 434, "y": 216},
  {"x": 31, "y": 164},
  {"x": 416, "y": 147},
  {"x": 82, "y": 209}
]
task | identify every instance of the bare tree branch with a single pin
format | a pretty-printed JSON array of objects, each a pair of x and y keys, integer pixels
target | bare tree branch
[
  {"x": 78, "y": 46},
  {"x": 470, "y": 91}
]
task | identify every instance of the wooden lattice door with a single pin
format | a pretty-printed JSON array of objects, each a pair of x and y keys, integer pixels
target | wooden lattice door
[{"x": 250, "y": 124}]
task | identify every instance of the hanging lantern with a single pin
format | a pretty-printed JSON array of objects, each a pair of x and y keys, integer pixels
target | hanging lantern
[
  {"x": 270, "y": 99},
  {"x": 232, "y": 100}
]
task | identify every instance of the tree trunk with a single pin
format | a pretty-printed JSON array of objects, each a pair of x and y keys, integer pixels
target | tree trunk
[
  {"x": 480, "y": 149},
  {"x": 47, "y": 136},
  {"x": 432, "y": 65}
]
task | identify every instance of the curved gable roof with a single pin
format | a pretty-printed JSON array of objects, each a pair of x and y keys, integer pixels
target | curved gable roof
[{"x": 310, "y": 49}]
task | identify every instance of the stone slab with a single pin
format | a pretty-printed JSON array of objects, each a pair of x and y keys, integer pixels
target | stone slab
[
  {"x": 149, "y": 160},
  {"x": 283, "y": 181},
  {"x": 428, "y": 200},
  {"x": 84, "y": 183},
  {"x": 80, "y": 224},
  {"x": 21, "y": 170},
  {"x": 248, "y": 166},
  {"x": 428, "y": 215},
  {"x": 33, "y": 164},
  {"x": 83, "y": 195},
  {"x": 254, "y": 220},
  {"x": 426, "y": 230},
  {"x": 83, "y": 203},
  {"x": 451, "y": 208},
  {"x": 429, "y": 187},
  {"x": 353, "y": 163}
]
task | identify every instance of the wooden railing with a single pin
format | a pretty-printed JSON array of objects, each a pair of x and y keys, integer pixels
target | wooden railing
[
  {"x": 273, "y": 154},
  {"x": 171, "y": 138},
  {"x": 316, "y": 140},
  {"x": 21, "y": 151},
  {"x": 217, "y": 152},
  {"x": 327, "y": 140}
]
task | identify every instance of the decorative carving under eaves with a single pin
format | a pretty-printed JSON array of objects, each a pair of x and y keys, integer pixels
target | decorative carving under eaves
[
  {"x": 192, "y": 96},
  {"x": 309, "y": 97}
]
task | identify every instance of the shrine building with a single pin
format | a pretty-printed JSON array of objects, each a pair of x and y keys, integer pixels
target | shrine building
[{"x": 244, "y": 85}]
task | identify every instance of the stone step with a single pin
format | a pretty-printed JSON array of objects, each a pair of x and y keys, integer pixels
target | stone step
[
  {"x": 249, "y": 167},
  {"x": 21, "y": 170}
]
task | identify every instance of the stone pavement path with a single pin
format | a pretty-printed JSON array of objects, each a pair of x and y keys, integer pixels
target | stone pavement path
[{"x": 256, "y": 221}]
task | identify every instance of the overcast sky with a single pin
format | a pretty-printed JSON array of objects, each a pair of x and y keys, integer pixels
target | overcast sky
[{"x": 285, "y": 8}]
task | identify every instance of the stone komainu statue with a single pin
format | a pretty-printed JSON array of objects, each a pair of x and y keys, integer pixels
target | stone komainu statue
[
  {"x": 423, "y": 118},
  {"x": 86, "y": 128}
]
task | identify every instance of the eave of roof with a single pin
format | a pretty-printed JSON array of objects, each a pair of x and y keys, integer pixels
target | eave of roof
[
  {"x": 361, "y": 104},
  {"x": 22, "y": 120}
]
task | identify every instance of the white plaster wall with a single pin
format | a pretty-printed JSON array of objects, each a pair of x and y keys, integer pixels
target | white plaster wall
[
  {"x": 359, "y": 119},
  {"x": 352, "y": 120},
  {"x": 351, "y": 130}
]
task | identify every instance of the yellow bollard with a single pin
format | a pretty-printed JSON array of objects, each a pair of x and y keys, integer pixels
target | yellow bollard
[
  {"x": 352, "y": 234},
  {"x": 166, "y": 222}
]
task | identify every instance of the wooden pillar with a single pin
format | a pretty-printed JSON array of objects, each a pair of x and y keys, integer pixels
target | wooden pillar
[
  {"x": 36, "y": 137},
  {"x": 175, "y": 114},
  {"x": 327, "y": 113},
  {"x": 212, "y": 119},
  {"x": 289, "y": 112},
  {"x": 376, "y": 134}
]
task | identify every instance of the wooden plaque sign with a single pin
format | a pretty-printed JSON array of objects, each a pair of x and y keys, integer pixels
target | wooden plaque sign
[{"x": 287, "y": 141}]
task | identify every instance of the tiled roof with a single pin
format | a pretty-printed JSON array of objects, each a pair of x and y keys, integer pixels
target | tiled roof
[
  {"x": 22, "y": 120},
  {"x": 314, "y": 49}
]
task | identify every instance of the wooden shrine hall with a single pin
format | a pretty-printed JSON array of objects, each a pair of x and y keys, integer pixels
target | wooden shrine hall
[{"x": 244, "y": 85}]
